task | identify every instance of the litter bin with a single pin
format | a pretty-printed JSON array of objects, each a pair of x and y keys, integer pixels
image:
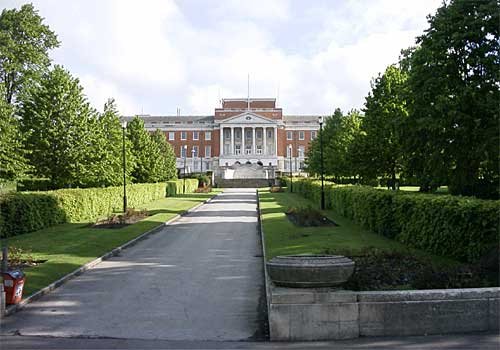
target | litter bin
[{"x": 13, "y": 282}]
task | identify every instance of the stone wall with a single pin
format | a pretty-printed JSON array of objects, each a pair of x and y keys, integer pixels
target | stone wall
[{"x": 325, "y": 314}]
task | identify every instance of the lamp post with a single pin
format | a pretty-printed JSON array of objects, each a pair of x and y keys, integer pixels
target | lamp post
[
  {"x": 320, "y": 120},
  {"x": 184, "y": 172},
  {"x": 124, "y": 126},
  {"x": 193, "y": 160},
  {"x": 290, "y": 164}
]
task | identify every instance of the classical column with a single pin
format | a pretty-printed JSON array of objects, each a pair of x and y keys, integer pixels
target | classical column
[
  {"x": 264, "y": 140},
  {"x": 221, "y": 149},
  {"x": 232, "y": 140},
  {"x": 276, "y": 141},
  {"x": 254, "y": 146},
  {"x": 243, "y": 140}
]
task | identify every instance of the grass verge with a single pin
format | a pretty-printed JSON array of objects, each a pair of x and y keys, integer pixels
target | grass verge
[
  {"x": 284, "y": 238},
  {"x": 66, "y": 247}
]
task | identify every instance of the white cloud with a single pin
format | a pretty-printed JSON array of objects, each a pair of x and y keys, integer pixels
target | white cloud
[{"x": 159, "y": 55}]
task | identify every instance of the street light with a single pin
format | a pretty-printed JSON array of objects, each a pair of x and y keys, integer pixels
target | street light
[
  {"x": 290, "y": 164},
  {"x": 124, "y": 126},
  {"x": 193, "y": 161},
  {"x": 320, "y": 120},
  {"x": 184, "y": 173}
]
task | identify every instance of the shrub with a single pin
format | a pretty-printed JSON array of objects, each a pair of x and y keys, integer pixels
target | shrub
[
  {"x": 460, "y": 227},
  {"x": 35, "y": 185},
  {"x": 203, "y": 180},
  {"x": 176, "y": 187},
  {"x": 24, "y": 212}
]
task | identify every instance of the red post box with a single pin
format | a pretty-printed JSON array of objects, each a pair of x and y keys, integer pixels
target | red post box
[{"x": 13, "y": 283}]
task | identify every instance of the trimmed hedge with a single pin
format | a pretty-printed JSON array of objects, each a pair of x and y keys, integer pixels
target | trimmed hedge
[
  {"x": 460, "y": 227},
  {"x": 24, "y": 212},
  {"x": 176, "y": 187}
]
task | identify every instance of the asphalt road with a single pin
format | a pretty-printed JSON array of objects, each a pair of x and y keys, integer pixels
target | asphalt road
[
  {"x": 445, "y": 342},
  {"x": 200, "y": 279}
]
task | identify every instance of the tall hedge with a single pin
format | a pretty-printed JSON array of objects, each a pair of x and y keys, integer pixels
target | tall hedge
[
  {"x": 464, "y": 228},
  {"x": 24, "y": 212}
]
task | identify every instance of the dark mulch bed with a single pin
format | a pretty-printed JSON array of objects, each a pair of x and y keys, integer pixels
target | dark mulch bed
[
  {"x": 378, "y": 270},
  {"x": 131, "y": 216},
  {"x": 308, "y": 217}
]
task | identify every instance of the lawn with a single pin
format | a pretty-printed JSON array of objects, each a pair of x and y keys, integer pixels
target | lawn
[
  {"x": 66, "y": 247},
  {"x": 282, "y": 237}
]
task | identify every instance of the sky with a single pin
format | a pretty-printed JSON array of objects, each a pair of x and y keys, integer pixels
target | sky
[{"x": 154, "y": 56}]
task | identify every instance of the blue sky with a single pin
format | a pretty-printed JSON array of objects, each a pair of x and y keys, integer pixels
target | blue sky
[{"x": 156, "y": 56}]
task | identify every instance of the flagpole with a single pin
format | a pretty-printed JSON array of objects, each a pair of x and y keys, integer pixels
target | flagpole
[{"x": 248, "y": 92}]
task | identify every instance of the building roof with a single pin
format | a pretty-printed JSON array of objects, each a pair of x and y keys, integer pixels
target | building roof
[
  {"x": 210, "y": 118},
  {"x": 172, "y": 118},
  {"x": 300, "y": 118}
]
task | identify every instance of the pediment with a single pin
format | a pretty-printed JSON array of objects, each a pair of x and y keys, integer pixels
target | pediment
[{"x": 248, "y": 118}]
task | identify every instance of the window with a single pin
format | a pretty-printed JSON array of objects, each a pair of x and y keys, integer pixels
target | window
[
  {"x": 171, "y": 136},
  {"x": 196, "y": 135},
  {"x": 301, "y": 135},
  {"x": 258, "y": 134},
  {"x": 183, "y": 135},
  {"x": 208, "y": 151},
  {"x": 183, "y": 151},
  {"x": 237, "y": 149},
  {"x": 289, "y": 151},
  {"x": 248, "y": 134},
  {"x": 270, "y": 134},
  {"x": 194, "y": 152},
  {"x": 289, "y": 135},
  {"x": 313, "y": 135},
  {"x": 301, "y": 151},
  {"x": 208, "y": 135}
]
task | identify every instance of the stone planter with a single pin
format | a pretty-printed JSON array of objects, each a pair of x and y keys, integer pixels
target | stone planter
[{"x": 310, "y": 271}]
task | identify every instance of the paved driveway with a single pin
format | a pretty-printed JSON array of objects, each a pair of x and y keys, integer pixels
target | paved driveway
[{"x": 198, "y": 279}]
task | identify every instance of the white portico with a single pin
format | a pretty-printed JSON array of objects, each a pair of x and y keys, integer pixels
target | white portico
[{"x": 248, "y": 137}]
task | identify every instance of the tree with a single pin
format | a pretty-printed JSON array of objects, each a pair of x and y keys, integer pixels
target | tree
[
  {"x": 381, "y": 151},
  {"x": 13, "y": 163},
  {"x": 106, "y": 165},
  {"x": 331, "y": 127},
  {"x": 339, "y": 133},
  {"x": 24, "y": 45},
  {"x": 454, "y": 75},
  {"x": 165, "y": 158},
  {"x": 59, "y": 126}
]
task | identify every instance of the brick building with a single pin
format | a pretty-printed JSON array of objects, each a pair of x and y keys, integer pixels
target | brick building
[{"x": 241, "y": 131}]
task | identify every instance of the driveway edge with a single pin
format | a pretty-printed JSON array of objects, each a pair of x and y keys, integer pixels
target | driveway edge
[
  {"x": 12, "y": 309},
  {"x": 264, "y": 259}
]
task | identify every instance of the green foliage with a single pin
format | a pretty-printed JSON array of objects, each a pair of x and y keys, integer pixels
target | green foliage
[
  {"x": 13, "y": 163},
  {"x": 34, "y": 184},
  {"x": 30, "y": 211},
  {"x": 164, "y": 167},
  {"x": 462, "y": 228},
  {"x": 106, "y": 162},
  {"x": 154, "y": 157},
  {"x": 177, "y": 187},
  {"x": 378, "y": 149},
  {"x": 203, "y": 180},
  {"x": 24, "y": 45},
  {"x": 454, "y": 75},
  {"x": 60, "y": 130},
  {"x": 340, "y": 156}
]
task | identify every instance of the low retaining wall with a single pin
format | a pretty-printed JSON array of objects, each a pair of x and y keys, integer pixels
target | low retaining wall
[
  {"x": 243, "y": 183},
  {"x": 327, "y": 314},
  {"x": 324, "y": 314}
]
